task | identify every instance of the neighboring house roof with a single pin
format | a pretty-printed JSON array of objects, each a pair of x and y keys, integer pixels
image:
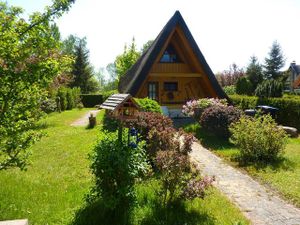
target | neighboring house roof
[
  {"x": 295, "y": 68},
  {"x": 133, "y": 79}
]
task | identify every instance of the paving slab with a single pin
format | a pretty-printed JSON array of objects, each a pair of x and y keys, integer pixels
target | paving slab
[
  {"x": 14, "y": 222},
  {"x": 259, "y": 204}
]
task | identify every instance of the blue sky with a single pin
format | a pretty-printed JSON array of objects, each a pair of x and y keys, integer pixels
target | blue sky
[{"x": 226, "y": 31}]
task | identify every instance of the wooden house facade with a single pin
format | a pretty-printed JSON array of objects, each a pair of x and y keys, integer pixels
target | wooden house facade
[{"x": 172, "y": 70}]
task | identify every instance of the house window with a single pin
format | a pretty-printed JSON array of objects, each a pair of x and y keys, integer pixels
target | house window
[
  {"x": 170, "y": 86},
  {"x": 153, "y": 90},
  {"x": 170, "y": 55}
]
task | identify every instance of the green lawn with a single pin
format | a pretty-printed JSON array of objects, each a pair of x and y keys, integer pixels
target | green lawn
[
  {"x": 53, "y": 188},
  {"x": 282, "y": 176}
]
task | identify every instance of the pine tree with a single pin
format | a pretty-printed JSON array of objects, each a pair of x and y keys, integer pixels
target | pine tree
[
  {"x": 254, "y": 72},
  {"x": 82, "y": 71},
  {"x": 274, "y": 62}
]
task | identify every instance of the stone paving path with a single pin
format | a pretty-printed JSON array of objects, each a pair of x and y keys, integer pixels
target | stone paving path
[
  {"x": 84, "y": 121},
  {"x": 259, "y": 205}
]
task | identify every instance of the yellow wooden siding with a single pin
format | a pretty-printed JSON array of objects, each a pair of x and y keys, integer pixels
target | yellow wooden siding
[
  {"x": 188, "y": 88},
  {"x": 170, "y": 68}
]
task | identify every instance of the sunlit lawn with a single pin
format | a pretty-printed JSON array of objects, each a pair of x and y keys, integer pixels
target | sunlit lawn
[
  {"x": 282, "y": 176},
  {"x": 53, "y": 188}
]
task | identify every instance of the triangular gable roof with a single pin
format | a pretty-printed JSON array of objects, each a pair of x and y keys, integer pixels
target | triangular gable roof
[{"x": 133, "y": 79}]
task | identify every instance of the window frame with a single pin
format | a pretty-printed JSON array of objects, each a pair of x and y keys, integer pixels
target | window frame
[
  {"x": 170, "y": 83},
  {"x": 151, "y": 92}
]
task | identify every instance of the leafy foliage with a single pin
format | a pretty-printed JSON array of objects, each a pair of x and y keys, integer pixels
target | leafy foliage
[
  {"x": 254, "y": 72},
  {"x": 258, "y": 138},
  {"x": 244, "y": 86},
  {"x": 148, "y": 105},
  {"x": 274, "y": 62},
  {"x": 124, "y": 61},
  {"x": 67, "y": 98},
  {"x": 29, "y": 60},
  {"x": 169, "y": 150},
  {"x": 269, "y": 88},
  {"x": 116, "y": 166},
  {"x": 179, "y": 178},
  {"x": 229, "y": 90},
  {"x": 216, "y": 119},
  {"x": 229, "y": 77},
  {"x": 149, "y": 120},
  {"x": 48, "y": 105}
]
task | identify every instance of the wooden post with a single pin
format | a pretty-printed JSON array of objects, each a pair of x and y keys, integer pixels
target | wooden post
[{"x": 120, "y": 131}]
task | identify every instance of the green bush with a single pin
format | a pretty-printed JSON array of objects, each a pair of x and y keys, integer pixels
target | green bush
[
  {"x": 269, "y": 88},
  {"x": 289, "y": 108},
  {"x": 67, "y": 98},
  {"x": 216, "y": 119},
  {"x": 62, "y": 98},
  {"x": 48, "y": 105},
  {"x": 70, "y": 99},
  {"x": 148, "y": 105},
  {"x": 116, "y": 166},
  {"x": 258, "y": 139},
  {"x": 230, "y": 90},
  {"x": 90, "y": 100},
  {"x": 244, "y": 86}
]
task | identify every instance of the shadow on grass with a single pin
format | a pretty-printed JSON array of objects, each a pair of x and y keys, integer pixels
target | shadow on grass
[
  {"x": 208, "y": 140},
  {"x": 96, "y": 214},
  {"x": 176, "y": 214},
  {"x": 281, "y": 163}
]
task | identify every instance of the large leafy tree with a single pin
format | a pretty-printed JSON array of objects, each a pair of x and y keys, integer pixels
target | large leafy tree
[
  {"x": 274, "y": 62},
  {"x": 124, "y": 61},
  {"x": 254, "y": 72},
  {"x": 29, "y": 60}
]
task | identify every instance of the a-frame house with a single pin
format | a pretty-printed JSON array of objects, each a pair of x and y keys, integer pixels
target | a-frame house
[{"x": 173, "y": 69}]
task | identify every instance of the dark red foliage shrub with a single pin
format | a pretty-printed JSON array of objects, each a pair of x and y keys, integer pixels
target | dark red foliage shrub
[
  {"x": 216, "y": 119},
  {"x": 149, "y": 120}
]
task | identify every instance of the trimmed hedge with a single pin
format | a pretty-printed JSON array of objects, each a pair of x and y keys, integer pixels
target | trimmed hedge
[
  {"x": 90, "y": 100},
  {"x": 289, "y": 108}
]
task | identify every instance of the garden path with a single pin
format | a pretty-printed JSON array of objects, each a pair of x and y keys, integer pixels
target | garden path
[
  {"x": 260, "y": 205},
  {"x": 84, "y": 121}
]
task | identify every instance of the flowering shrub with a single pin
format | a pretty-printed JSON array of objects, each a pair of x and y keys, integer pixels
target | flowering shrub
[
  {"x": 216, "y": 119},
  {"x": 195, "y": 188},
  {"x": 150, "y": 120},
  {"x": 169, "y": 150},
  {"x": 190, "y": 108},
  {"x": 258, "y": 138}
]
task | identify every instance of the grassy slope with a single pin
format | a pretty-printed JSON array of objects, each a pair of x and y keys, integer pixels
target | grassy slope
[
  {"x": 56, "y": 181},
  {"x": 283, "y": 176},
  {"x": 54, "y": 186}
]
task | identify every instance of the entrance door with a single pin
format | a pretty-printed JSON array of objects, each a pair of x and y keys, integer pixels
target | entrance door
[{"x": 153, "y": 91}]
